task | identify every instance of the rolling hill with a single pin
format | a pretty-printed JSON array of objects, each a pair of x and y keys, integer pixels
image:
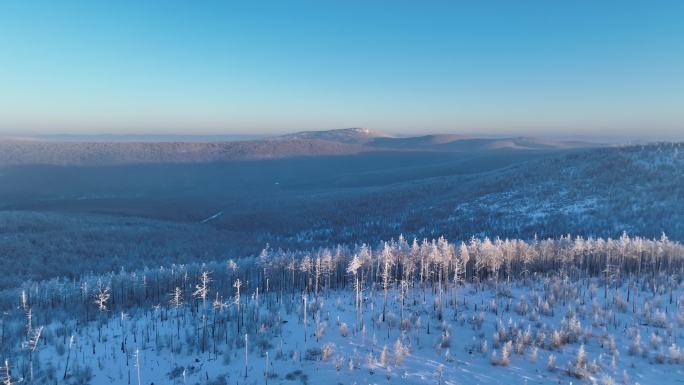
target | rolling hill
[
  {"x": 342, "y": 135},
  {"x": 88, "y": 152}
]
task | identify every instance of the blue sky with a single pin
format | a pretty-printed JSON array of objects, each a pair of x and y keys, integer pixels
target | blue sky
[{"x": 492, "y": 67}]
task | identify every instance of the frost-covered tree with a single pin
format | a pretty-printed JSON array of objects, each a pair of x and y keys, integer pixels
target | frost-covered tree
[
  {"x": 353, "y": 268},
  {"x": 237, "y": 285},
  {"x": 102, "y": 297},
  {"x": 387, "y": 260},
  {"x": 7, "y": 375},
  {"x": 202, "y": 291},
  {"x": 400, "y": 352},
  {"x": 68, "y": 358}
]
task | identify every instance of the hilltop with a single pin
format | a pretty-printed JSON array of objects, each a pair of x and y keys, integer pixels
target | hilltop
[{"x": 341, "y": 135}]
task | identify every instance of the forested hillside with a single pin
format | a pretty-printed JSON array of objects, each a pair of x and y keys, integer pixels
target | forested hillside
[
  {"x": 22, "y": 152},
  {"x": 598, "y": 192},
  {"x": 141, "y": 215}
]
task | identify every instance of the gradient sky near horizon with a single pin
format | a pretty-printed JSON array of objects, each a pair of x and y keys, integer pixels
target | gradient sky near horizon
[{"x": 581, "y": 67}]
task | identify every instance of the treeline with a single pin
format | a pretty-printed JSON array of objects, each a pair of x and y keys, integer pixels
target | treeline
[{"x": 427, "y": 264}]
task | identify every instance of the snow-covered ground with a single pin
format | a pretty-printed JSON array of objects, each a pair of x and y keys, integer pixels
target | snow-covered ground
[
  {"x": 569, "y": 312},
  {"x": 466, "y": 347}
]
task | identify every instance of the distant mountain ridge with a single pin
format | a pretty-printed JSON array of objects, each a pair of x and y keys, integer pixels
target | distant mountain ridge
[
  {"x": 347, "y": 141},
  {"x": 434, "y": 142},
  {"x": 343, "y": 135}
]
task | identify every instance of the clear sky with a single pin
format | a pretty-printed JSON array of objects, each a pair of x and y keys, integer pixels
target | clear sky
[{"x": 555, "y": 67}]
